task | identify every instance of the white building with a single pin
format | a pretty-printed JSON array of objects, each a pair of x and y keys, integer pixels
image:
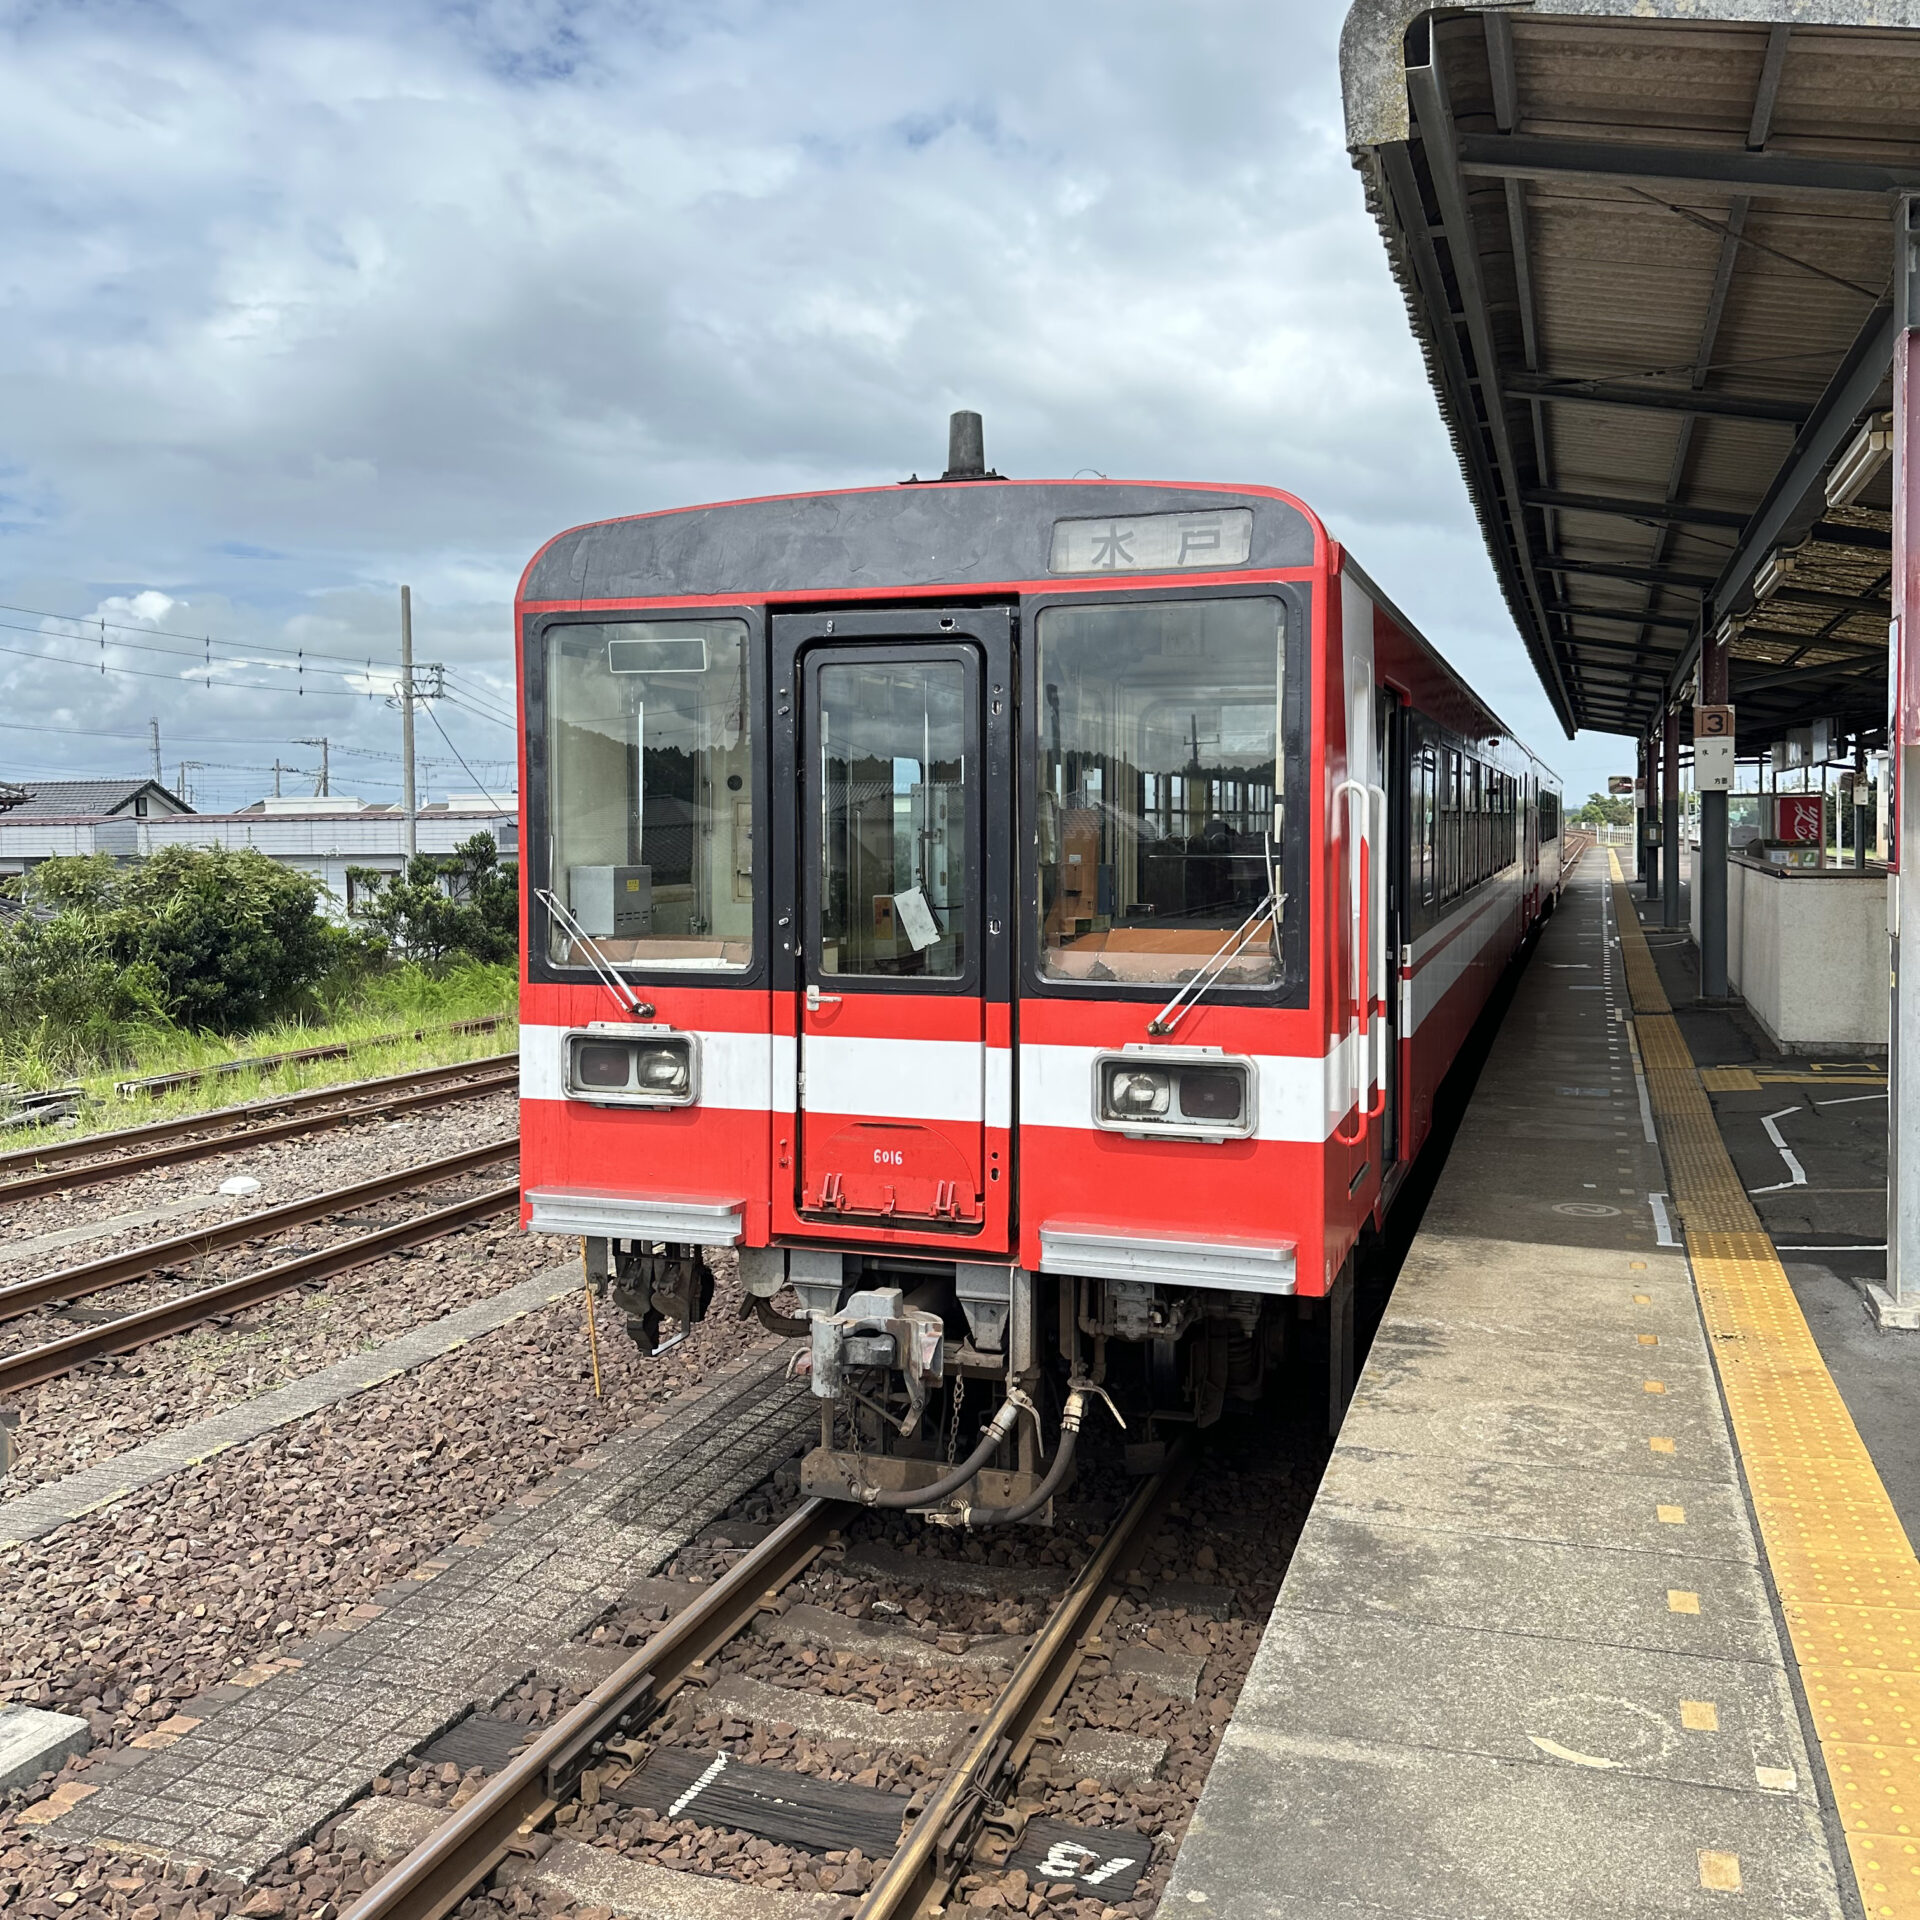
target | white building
[{"x": 321, "y": 837}]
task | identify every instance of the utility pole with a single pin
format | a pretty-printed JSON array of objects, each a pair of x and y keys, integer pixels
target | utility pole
[
  {"x": 186, "y": 767},
  {"x": 153, "y": 734},
  {"x": 407, "y": 798},
  {"x": 322, "y": 791}
]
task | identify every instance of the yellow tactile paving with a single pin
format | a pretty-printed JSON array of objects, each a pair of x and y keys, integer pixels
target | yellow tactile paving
[{"x": 1848, "y": 1580}]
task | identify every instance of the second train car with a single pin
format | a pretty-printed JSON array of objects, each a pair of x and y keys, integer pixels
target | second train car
[{"x": 1027, "y": 922}]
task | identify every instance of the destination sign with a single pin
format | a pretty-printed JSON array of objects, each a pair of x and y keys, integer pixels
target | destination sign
[{"x": 1154, "y": 542}]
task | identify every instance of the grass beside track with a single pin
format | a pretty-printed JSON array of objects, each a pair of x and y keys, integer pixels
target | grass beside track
[{"x": 397, "y": 1004}]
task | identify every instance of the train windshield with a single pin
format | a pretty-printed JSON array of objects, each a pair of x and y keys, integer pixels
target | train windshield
[
  {"x": 1159, "y": 772},
  {"x": 650, "y": 795}
]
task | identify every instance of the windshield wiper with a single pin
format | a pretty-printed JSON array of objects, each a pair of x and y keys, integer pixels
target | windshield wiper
[
  {"x": 630, "y": 1007},
  {"x": 1229, "y": 950}
]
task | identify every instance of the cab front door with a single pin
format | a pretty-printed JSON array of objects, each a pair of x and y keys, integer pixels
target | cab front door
[{"x": 899, "y": 729}]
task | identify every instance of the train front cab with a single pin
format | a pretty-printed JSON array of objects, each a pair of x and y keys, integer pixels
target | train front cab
[{"x": 1039, "y": 983}]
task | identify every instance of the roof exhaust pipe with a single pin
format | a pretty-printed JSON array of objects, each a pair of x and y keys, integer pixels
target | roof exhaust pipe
[{"x": 967, "y": 449}]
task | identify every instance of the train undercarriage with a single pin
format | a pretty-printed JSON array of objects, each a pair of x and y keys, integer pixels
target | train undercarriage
[{"x": 957, "y": 1390}]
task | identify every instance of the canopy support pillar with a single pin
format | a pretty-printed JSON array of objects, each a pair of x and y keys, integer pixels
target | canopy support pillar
[{"x": 1898, "y": 1303}]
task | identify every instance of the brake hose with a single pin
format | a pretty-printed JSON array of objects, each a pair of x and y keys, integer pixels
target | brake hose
[
  {"x": 996, "y": 1431},
  {"x": 1056, "y": 1474}
]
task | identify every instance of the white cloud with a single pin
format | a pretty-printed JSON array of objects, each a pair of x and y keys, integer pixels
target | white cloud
[{"x": 305, "y": 301}]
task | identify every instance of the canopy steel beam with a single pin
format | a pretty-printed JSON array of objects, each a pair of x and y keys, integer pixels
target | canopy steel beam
[
  {"x": 1528, "y": 156},
  {"x": 1627, "y": 616},
  {"x": 1600, "y": 391},
  {"x": 1656, "y": 512},
  {"x": 1438, "y": 137},
  {"x": 1849, "y": 394},
  {"x": 1642, "y": 575}
]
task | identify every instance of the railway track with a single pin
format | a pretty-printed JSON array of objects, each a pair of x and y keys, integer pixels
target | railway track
[
  {"x": 62, "y": 1166},
  {"x": 39, "y": 1364},
  {"x": 935, "y": 1846}
]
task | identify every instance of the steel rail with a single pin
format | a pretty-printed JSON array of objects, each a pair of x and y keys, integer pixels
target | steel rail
[
  {"x": 933, "y": 1852},
  {"x": 40, "y": 1364},
  {"x": 49, "y": 1168},
  {"x": 439, "y": 1873},
  {"x": 113, "y": 1269}
]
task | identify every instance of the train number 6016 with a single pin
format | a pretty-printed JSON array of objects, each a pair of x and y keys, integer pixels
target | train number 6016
[{"x": 889, "y": 1157}]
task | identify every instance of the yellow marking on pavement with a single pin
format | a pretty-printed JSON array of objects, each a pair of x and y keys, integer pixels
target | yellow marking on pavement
[
  {"x": 1660, "y": 1443},
  {"x": 1649, "y": 1339},
  {"x": 1729, "y": 1079},
  {"x": 1700, "y": 1716},
  {"x": 1636, "y": 1266},
  {"x": 1671, "y": 1516},
  {"x": 1848, "y": 1581},
  {"x": 1654, "y": 1386},
  {"x": 1643, "y": 1299},
  {"x": 1719, "y": 1872},
  {"x": 1681, "y": 1601}
]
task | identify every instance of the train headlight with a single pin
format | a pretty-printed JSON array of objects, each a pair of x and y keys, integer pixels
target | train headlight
[
  {"x": 1213, "y": 1094},
  {"x": 666, "y": 1070},
  {"x": 1155, "y": 1093},
  {"x": 1137, "y": 1093},
  {"x": 640, "y": 1069}
]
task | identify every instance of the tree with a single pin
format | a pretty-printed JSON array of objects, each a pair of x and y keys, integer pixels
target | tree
[
  {"x": 232, "y": 936},
  {"x": 1605, "y": 810},
  {"x": 220, "y": 937},
  {"x": 65, "y": 999},
  {"x": 446, "y": 906},
  {"x": 202, "y": 936}
]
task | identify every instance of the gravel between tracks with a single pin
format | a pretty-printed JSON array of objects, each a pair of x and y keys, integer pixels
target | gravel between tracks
[
  {"x": 124, "y": 1615},
  {"x": 286, "y": 1169}
]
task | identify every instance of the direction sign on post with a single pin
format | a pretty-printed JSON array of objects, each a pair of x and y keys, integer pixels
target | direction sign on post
[{"x": 1713, "y": 749}]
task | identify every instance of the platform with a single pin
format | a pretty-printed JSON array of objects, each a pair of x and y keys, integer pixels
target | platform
[{"x": 1533, "y": 1654}]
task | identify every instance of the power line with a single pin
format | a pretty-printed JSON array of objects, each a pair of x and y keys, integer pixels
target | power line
[
  {"x": 97, "y": 622},
  {"x": 172, "y": 679},
  {"x": 471, "y": 775}
]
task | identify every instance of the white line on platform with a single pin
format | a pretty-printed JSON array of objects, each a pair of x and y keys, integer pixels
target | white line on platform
[
  {"x": 1663, "y": 1226},
  {"x": 1770, "y": 1123}
]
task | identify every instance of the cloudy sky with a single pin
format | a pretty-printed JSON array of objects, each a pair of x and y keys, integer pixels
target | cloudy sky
[{"x": 304, "y": 301}]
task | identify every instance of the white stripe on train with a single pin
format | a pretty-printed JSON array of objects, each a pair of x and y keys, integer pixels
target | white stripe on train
[{"x": 1302, "y": 1098}]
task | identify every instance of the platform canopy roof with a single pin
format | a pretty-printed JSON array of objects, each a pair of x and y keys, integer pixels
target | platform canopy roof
[{"x": 1648, "y": 248}]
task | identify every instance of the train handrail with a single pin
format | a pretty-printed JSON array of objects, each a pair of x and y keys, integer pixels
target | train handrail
[
  {"x": 1374, "y": 1094},
  {"x": 1361, "y": 886}
]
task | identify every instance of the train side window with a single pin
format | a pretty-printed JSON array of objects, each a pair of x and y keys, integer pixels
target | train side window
[
  {"x": 1159, "y": 767},
  {"x": 1450, "y": 826},
  {"x": 1423, "y": 828},
  {"x": 650, "y": 758},
  {"x": 1475, "y": 808}
]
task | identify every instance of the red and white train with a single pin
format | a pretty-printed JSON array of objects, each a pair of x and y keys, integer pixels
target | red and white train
[{"x": 1029, "y": 920}]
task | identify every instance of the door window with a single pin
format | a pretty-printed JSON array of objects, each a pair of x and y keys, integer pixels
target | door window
[{"x": 892, "y": 773}]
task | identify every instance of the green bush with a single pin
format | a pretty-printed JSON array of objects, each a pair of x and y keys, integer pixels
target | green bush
[
  {"x": 223, "y": 941},
  {"x": 213, "y": 937},
  {"x": 66, "y": 999},
  {"x": 446, "y": 906}
]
